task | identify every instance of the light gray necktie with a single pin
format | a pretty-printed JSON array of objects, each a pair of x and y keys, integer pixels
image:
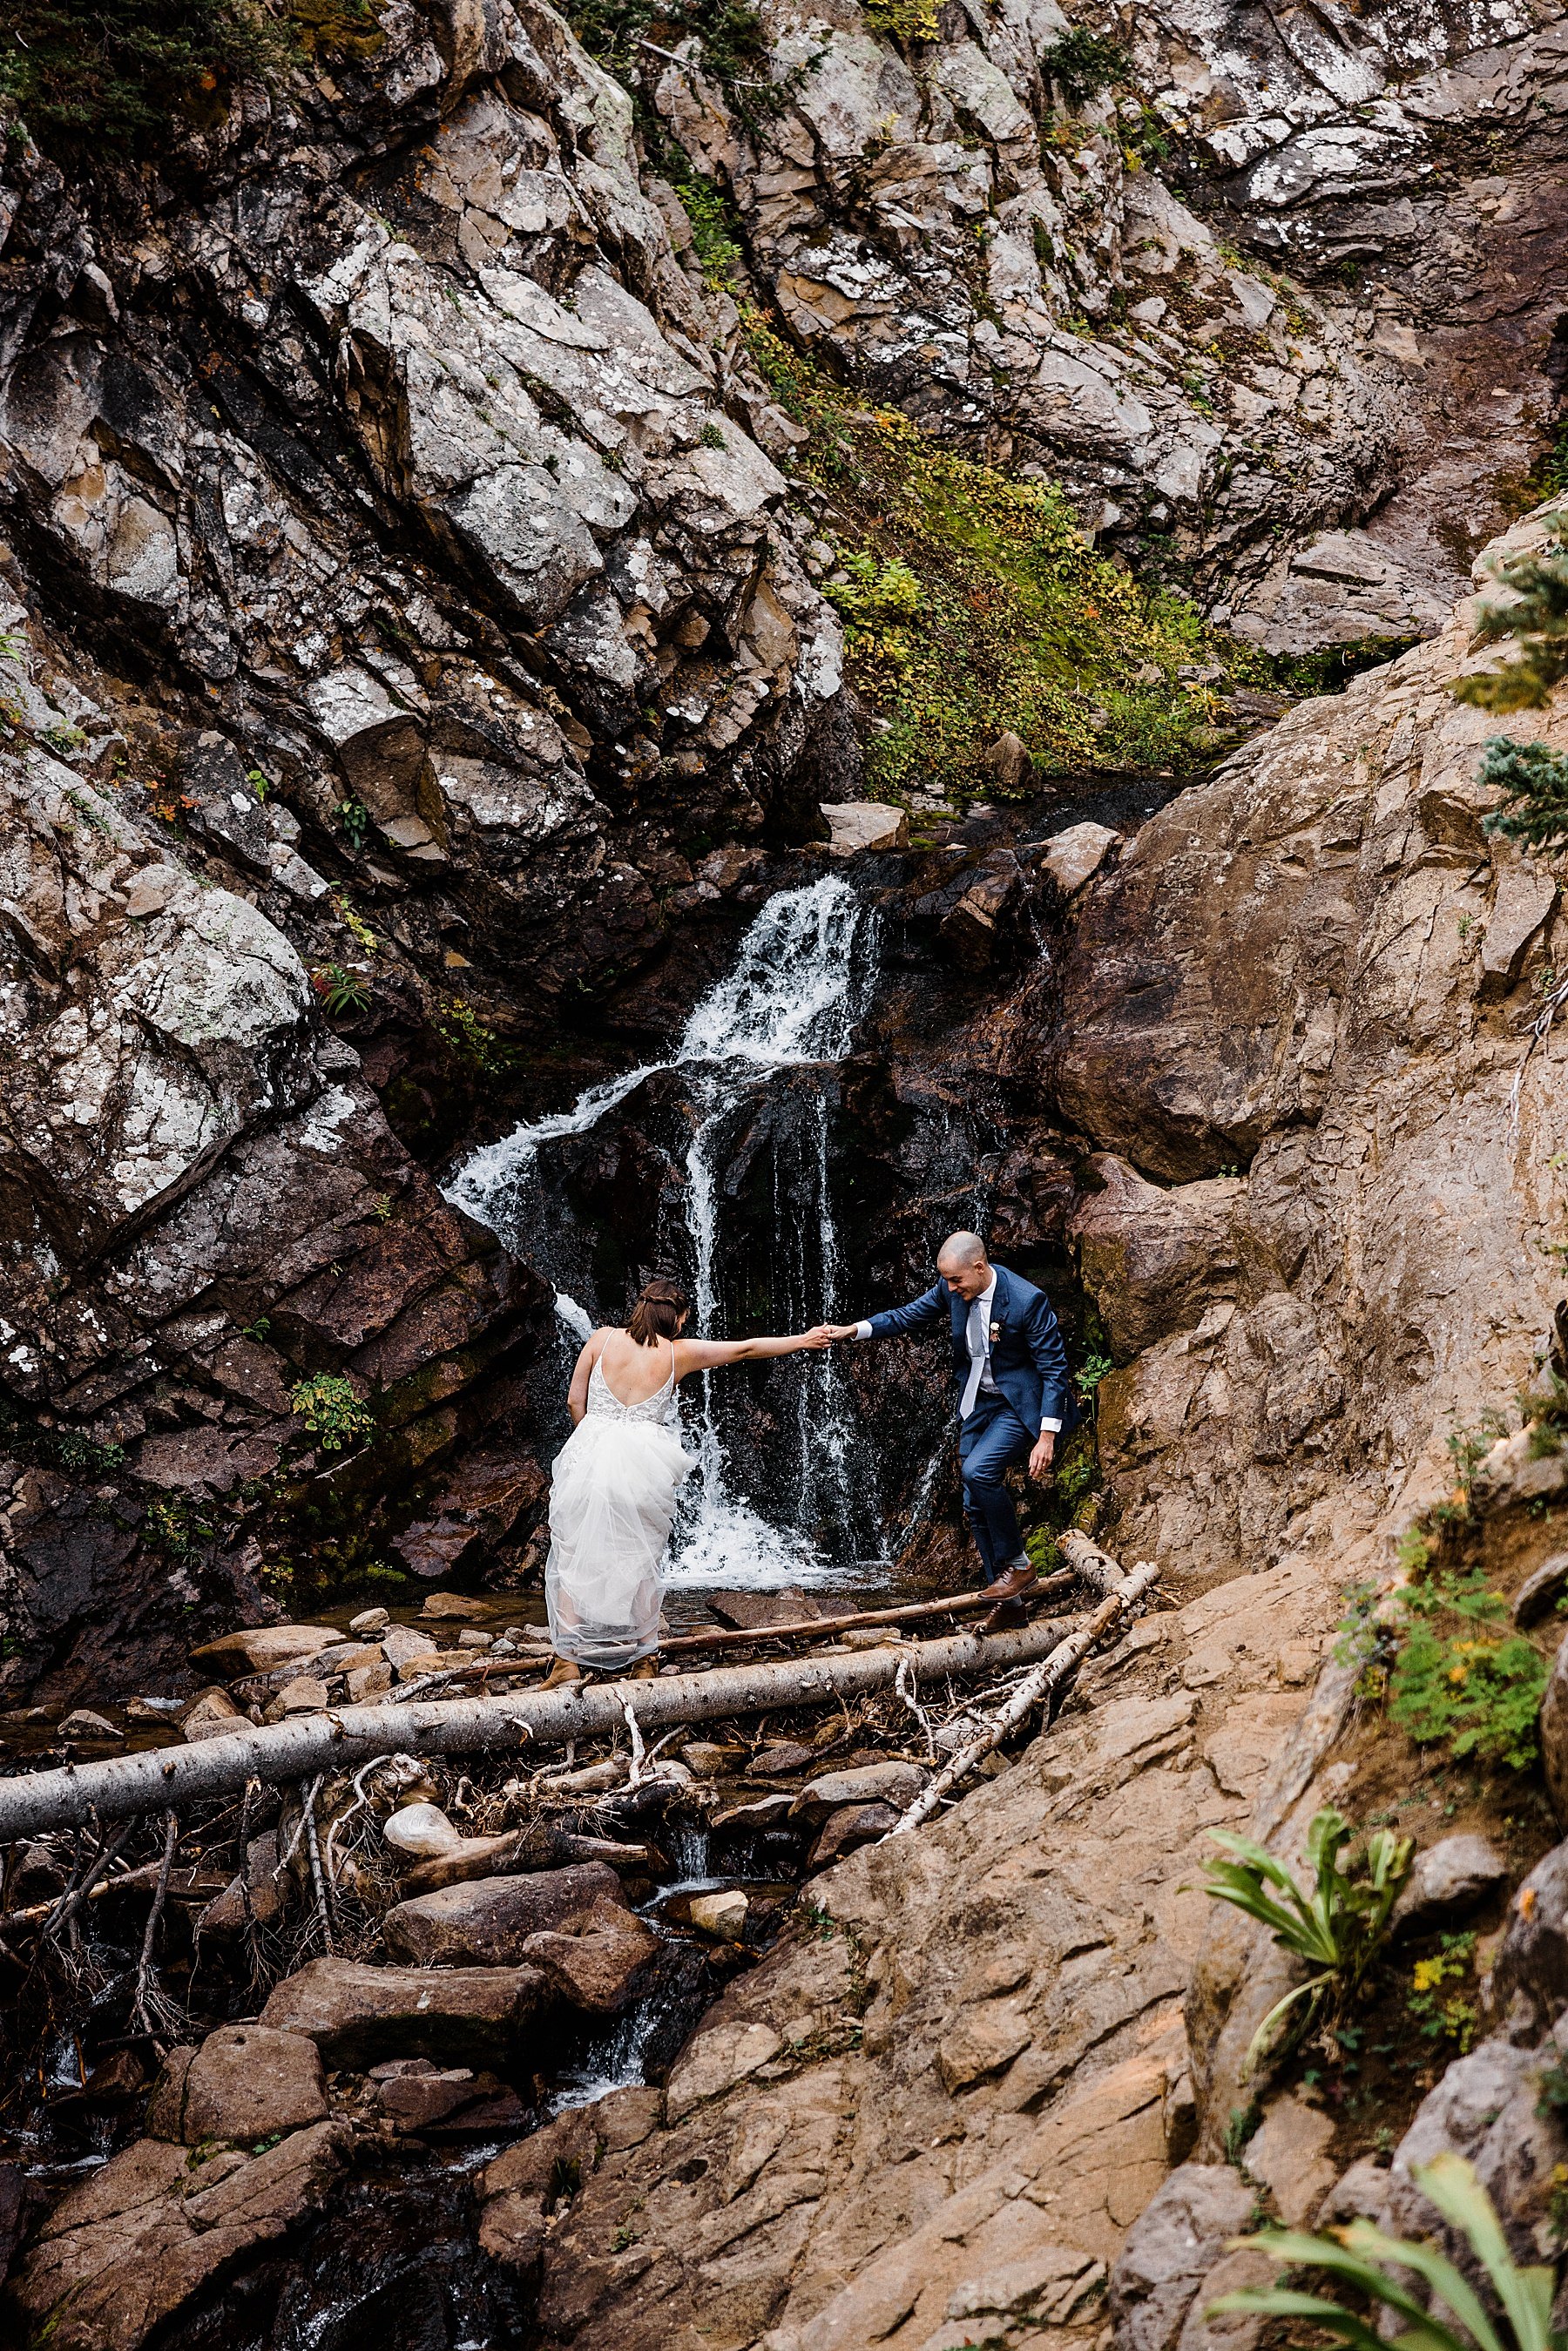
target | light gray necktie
[{"x": 977, "y": 1341}]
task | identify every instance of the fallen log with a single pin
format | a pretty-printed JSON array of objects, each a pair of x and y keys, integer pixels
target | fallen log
[
  {"x": 344, "y": 1737},
  {"x": 802, "y": 1628},
  {"x": 1031, "y": 1692}
]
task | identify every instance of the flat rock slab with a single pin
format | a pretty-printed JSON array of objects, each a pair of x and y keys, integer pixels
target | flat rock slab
[
  {"x": 486, "y": 1921},
  {"x": 244, "y": 2081},
  {"x": 855, "y": 825},
  {"x": 869, "y": 1784},
  {"x": 124, "y": 2252},
  {"x": 1076, "y": 855},
  {"x": 357, "y": 2015},
  {"x": 261, "y": 1648}
]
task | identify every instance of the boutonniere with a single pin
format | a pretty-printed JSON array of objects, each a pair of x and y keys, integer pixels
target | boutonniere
[{"x": 995, "y": 1333}]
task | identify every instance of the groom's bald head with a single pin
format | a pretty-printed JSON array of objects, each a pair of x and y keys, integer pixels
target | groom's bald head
[{"x": 963, "y": 1265}]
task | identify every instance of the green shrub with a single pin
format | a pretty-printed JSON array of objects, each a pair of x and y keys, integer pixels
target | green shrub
[
  {"x": 974, "y": 606},
  {"x": 1534, "y": 780},
  {"x": 1338, "y": 1928},
  {"x": 90, "y": 76},
  {"x": 1082, "y": 64},
  {"x": 904, "y": 20},
  {"x": 1461, "y": 1676},
  {"x": 1535, "y": 617},
  {"x": 1441, "y": 2012},
  {"x": 1364, "y": 2259},
  {"x": 332, "y": 1411}
]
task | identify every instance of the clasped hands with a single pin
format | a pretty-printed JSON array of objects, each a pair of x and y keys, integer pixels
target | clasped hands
[{"x": 824, "y": 1334}]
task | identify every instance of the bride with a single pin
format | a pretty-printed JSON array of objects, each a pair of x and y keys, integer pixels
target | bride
[{"x": 613, "y": 1495}]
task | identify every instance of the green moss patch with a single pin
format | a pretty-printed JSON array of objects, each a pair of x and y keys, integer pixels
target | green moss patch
[{"x": 974, "y": 606}]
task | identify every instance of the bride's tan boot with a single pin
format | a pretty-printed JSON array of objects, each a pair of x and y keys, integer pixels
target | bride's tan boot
[
  {"x": 644, "y": 1670},
  {"x": 561, "y": 1675}
]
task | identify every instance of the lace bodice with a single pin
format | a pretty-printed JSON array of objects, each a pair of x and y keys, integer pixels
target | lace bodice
[{"x": 661, "y": 1406}]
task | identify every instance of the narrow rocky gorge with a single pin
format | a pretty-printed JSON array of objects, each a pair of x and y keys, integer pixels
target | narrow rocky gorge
[{"x": 482, "y": 489}]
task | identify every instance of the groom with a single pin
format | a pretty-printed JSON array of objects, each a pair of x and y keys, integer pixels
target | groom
[{"x": 1009, "y": 1374}]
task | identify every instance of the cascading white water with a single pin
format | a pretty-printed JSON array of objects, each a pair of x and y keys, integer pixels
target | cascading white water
[{"x": 791, "y": 1001}]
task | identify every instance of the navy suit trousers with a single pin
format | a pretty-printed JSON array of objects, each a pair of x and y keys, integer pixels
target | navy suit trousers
[{"x": 989, "y": 1442}]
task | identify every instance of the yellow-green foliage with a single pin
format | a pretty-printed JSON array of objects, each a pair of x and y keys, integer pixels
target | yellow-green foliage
[
  {"x": 904, "y": 20},
  {"x": 974, "y": 606}
]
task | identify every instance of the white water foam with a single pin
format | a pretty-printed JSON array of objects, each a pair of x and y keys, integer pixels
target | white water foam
[{"x": 791, "y": 1001}]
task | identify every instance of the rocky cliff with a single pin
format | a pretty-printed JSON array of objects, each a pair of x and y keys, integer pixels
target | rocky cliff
[{"x": 420, "y": 639}]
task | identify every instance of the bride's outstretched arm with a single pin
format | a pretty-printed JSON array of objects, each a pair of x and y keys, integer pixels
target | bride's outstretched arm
[{"x": 711, "y": 1354}]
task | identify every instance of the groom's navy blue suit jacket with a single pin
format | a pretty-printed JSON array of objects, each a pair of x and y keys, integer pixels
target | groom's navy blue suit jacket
[{"x": 1028, "y": 1361}]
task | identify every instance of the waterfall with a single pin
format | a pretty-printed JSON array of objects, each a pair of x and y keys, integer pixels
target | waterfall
[{"x": 786, "y": 1009}]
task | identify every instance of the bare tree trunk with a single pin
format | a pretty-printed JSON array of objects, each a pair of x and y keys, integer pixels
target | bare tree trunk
[{"x": 348, "y": 1736}]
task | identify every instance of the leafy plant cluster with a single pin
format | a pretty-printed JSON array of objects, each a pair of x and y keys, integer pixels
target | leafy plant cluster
[
  {"x": 94, "y": 77},
  {"x": 904, "y": 20},
  {"x": 1082, "y": 64},
  {"x": 1441, "y": 2311},
  {"x": 472, "y": 1039},
  {"x": 1461, "y": 1676},
  {"x": 1534, "y": 613},
  {"x": 332, "y": 1411},
  {"x": 974, "y": 606},
  {"x": 1338, "y": 1928}
]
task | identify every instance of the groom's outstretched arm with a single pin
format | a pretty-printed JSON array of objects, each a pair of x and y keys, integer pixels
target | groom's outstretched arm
[{"x": 931, "y": 1306}]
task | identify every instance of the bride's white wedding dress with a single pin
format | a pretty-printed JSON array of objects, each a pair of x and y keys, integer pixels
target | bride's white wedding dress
[{"x": 612, "y": 1504}]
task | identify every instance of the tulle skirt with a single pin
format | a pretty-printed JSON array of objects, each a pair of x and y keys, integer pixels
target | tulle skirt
[{"x": 612, "y": 1504}]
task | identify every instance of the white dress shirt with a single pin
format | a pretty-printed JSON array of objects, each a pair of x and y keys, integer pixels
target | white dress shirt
[{"x": 979, "y": 1338}]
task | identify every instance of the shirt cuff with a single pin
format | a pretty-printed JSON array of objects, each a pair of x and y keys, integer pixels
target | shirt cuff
[
  {"x": 1054, "y": 1425},
  {"x": 863, "y": 1329}
]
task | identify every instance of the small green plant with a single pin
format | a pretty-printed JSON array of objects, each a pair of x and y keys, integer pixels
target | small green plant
[
  {"x": 1365, "y": 2259},
  {"x": 467, "y": 1035},
  {"x": 258, "y": 783},
  {"x": 1534, "y": 780},
  {"x": 1241, "y": 2124},
  {"x": 75, "y": 1451},
  {"x": 1461, "y": 1676},
  {"x": 175, "y": 1525},
  {"x": 332, "y": 1411},
  {"x": 381, "y": 1207},
  {"x": 340, "y": 991},
  {"x": 712, "y": 437},
  {"x": 355, "y": 819},
  {"x": 359, "y": 930},
  {"x": 1090, "y": 1373},
  {"x": 1082, "y": 64},
  {"x": 379, "y": 1572},
  {"x": 1339, "y": 1928},
  {"x": 1535, "y": 617},
  {"x": 256, "y": 1330},
  {"x": 1441, "y": 2012}
]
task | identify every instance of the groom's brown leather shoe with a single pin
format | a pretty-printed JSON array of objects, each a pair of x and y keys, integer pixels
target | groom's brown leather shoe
[
  {"x": 1021, "y": 1578},
  {"x": 1006, "y": 1617}
]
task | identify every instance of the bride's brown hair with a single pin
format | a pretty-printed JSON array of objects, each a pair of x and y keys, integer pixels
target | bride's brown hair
[{"x": 658, "y": 1311}]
